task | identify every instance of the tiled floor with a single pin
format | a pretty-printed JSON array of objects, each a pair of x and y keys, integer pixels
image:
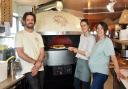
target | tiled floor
[{"x": 109, "y": 82}]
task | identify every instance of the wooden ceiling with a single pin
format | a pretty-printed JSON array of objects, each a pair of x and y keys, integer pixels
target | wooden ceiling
[{"x": 95, "y": 10}]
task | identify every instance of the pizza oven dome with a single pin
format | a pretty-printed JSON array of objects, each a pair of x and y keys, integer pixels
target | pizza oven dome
[{"x": 57, "y": 21}]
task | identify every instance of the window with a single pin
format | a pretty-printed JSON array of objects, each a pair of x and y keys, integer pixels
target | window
[
  {"x": 20, "y": 25},
  {"x": 14, "y": 27}
]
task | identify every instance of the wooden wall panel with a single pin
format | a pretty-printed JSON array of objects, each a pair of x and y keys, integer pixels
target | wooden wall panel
[{"x": 6, "y": 11}]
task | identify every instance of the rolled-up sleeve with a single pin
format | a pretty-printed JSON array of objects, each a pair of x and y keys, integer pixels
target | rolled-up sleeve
[
  {"x": 41, "y": 41},
  {"x": 91, "y": 44}
]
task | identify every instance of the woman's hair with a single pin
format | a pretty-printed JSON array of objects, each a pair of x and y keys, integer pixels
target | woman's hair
[
  {"x": 104, "y": 26},
  {"x": 84, "y": 20},
  {"x": 29, "y": 13}
]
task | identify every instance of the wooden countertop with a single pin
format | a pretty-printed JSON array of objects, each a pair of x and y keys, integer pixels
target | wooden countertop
[
  {"x": 123, "y": 63},
  {"x": 13, "y": 80},
  {"x": 125, "y": 81},
  {"x": 10, "y": 81},
  {"x": 123, "y": 42}
]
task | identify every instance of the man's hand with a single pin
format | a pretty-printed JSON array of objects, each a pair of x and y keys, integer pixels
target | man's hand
[
  {"x": 38, "y": 64},
  {"x": 36, "y": 68},
  {"x": 34, "y": 71}
]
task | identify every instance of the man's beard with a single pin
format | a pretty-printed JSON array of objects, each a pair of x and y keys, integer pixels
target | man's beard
[{"x": 30, "y": 26}]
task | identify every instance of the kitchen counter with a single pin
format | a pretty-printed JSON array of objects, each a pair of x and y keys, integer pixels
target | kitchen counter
[
  {"x": 124, "y": 43},
  {"x": 125, "y": 81},
  {"x": 123, "y": 64},
  {"x": 10, "y": 81}
]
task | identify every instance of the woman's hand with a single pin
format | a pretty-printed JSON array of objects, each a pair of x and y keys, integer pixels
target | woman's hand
[
  {"x": 120, "y": 76},
  {"x": 75, "y": 50},
  {"x": 117, "y": 69},
  {"x": 71, "y": 48}
]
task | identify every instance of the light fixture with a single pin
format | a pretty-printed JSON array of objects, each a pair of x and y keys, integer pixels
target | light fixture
[
  {"x": 110, "y": 5},
  {"x": 89, "y": 4},
  {"x": 124, "y": 20},
  {"x": 59, "y": 5},
  {"x": 124, "y": 17},
  {"x": 51, "y": 5}
]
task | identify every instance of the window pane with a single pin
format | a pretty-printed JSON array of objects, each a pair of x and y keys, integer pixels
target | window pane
[
  {"x": 14, "y": 26},
  {"x": 20, "y": 26}
]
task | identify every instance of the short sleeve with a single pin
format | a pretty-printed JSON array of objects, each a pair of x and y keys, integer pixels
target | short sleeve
[
  {"x": 109, "y": 48},
  {"x": 18, "y": 40},
  {"x": 41, "y": 41}
]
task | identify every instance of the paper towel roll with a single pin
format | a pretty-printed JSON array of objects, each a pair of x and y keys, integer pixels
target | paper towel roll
[
  {"x": 3, "y": 70},
  {"x": 123, "y": 35}
]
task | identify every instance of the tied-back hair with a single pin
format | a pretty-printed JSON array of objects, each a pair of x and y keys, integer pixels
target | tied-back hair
[{"x": 84, "y": 20}]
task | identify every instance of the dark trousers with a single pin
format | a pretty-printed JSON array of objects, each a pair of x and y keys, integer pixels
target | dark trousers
[
  {"x": 98, "y": 81},
  {"x": 78, "y": 84},
  {"x": 35, "y": 82}
]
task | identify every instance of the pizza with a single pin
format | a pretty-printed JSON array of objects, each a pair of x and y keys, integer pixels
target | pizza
[{"x": 58, "y": 46}]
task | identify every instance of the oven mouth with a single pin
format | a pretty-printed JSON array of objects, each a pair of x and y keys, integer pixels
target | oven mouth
[{"x": 60, "y": 42}]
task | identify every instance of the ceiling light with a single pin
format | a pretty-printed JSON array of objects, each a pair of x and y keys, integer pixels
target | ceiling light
[
  {"x": 110, "y": 5},
  {"x": 124, "y": 17},
  {"x": 59, "y": 5}
]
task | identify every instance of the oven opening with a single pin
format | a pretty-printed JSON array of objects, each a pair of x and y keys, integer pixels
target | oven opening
[{"x": 60, "y": 41}]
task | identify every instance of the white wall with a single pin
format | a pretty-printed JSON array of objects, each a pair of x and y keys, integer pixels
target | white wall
[{"x": 20, "y": 9}]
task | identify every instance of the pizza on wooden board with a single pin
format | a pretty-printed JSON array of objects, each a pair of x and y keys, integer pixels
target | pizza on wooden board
[{"x": 58, "y": 46}]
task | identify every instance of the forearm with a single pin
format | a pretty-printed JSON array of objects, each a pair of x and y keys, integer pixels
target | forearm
[
  {"x": 115, "y": 62},
  {"x": 41, "y": 58},
  {"x": 84, "y": 53},
  {"x": 81, "y": 52},
  {"x": 76, "y": 50},
  {"x": 39, "y": 61},
  {"x": 117, "y": 70},
  {"x": 26, "y": 58},
  {"x": 41, "y": 55}
]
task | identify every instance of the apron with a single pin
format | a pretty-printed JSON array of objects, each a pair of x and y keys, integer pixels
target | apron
[{"x": 82, "y": 70}]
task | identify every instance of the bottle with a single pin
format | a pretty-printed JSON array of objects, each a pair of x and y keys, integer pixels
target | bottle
[
  {"x": 12, "y": 69},
  {"x": 127, "y": 27}
]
